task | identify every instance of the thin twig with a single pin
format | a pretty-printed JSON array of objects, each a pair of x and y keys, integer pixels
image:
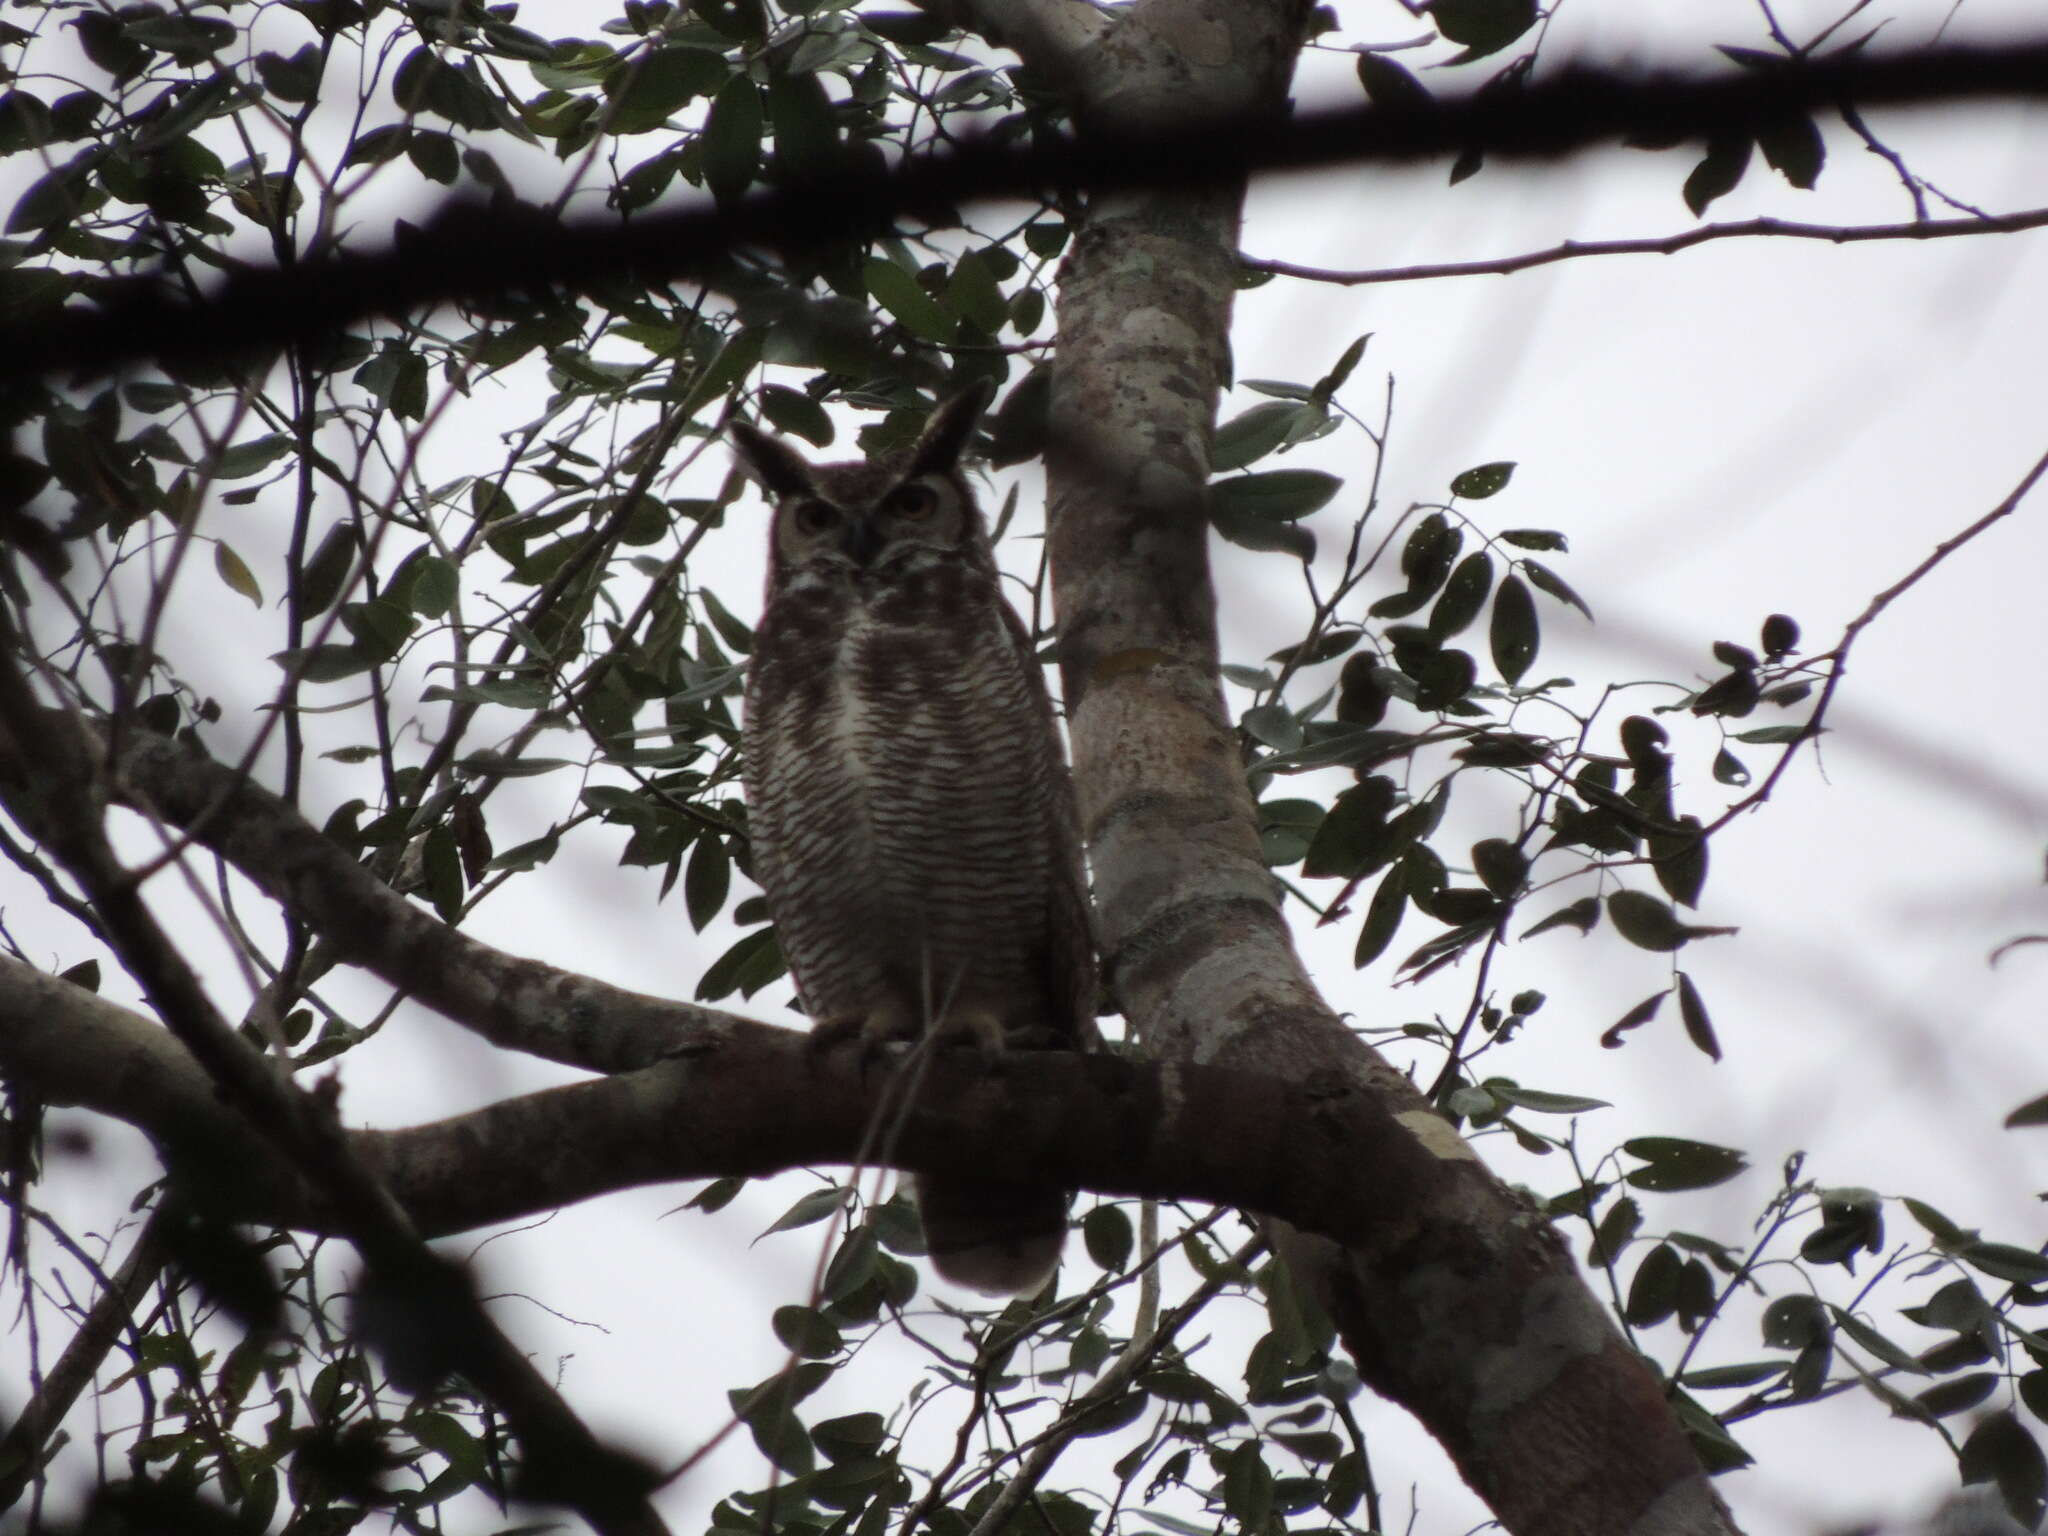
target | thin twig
[
  {"x": 1838, "y": 658},
  {"x": 1662, "y": 245}
]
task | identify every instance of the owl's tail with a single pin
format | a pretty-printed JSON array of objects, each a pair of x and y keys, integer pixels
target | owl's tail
[{"x": 1000, "y": 1237}]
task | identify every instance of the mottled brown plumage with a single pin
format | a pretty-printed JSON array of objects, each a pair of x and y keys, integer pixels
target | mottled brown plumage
[{"x": 909, "y": 808}]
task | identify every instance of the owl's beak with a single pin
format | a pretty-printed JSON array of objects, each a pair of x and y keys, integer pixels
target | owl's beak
[{"x": 862, "y": 541}]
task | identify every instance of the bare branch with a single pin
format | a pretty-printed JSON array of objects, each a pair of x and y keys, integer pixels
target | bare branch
[{"x": 1664, "y": 245}]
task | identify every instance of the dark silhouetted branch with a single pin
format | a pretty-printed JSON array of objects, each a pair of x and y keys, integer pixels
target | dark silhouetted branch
[{"x": 469, "y": 252}]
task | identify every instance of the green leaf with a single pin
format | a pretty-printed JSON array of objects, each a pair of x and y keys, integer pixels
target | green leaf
[
  {"x": 1355, "y": 838},
  {"x": 1717, "y": 174},
  {"x": 1273, "y": 725},
  {"x": 747, "y": 967},
  {"x": 1674, "y": 1164},
  {"x": 434, "y": 587},
  {"x": 1274, "y": 495},
  {"x": 189, "y": 39},
  {"x": 1390, "y": 84},
  {"x": 58, "y": 195},
  {"x": 235, "y": 573},
  {"x": 1255, "y": 433},
  {"x": 707, "y": 881},
  {"x": 1875, "y": 1343},
  {"x": 245, "y": 459},
  {"x": 1679, "y": 860},
  {"x": 1382, "y": 918},
  {"x": 1107, "y": 1418},
  {"x": 2006, "y": 1261},
  {"x": 1463, "y": 595},
  {"x": 1773, "y": 735},
  {"x": 1107, "y": 1232},
  {"x": 1583, "y": 914},
  {"x": 790, "y": 410},
  {"x": 1698, "y": 1027},
  {"x": 1486, "y": 480},
  {"x": 1483, "y": 26},
  {"x": 1635, "y": 1018},
  {"x": 1748, "y": 1374},
  {"x": 325, "y": 663},
  {"x": 1729, "y": 769},
  {"x": 811, "y": 1209},
  {"x": 1547, "y": 580},
  {"x": 654, "y": 87},
  {"x": 732, "y": 139},
  {"x": 1653, "y": 1293},
  {"x": 1534, "y": 538},
  {"x": 806, "y": 1332},
  {"x": 2033, "y": 1112},
  {"x": 1334, "y": 380},
  {"x": 852, "y": 1435},
  {"x": 973, "y": 294},
  {"x": 2034, "y": 1393},
  {"x": 441, "y": 861},
  {"x": 1536, "y": 1101},
  {"x": 1939, "y": 1227},
  {"x": 1427, "y": 556},
  {"x": 1999, "y": 1450},
  {"x": 1793, "y": 148},
  {"x": 899, "y": 293},
  {"x": 1500, "y": 865},
  {"x": 1514, "y": 634},
  {"x": 378, "y": 145},
  {"x": 1645, "y": 921},
  {"x": 1261, "y": 534}
]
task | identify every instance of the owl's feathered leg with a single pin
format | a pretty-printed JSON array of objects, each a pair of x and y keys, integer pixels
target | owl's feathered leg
[{"x": 887, "y": 1023}]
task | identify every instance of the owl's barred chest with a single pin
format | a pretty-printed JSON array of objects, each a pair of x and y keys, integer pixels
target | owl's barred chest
[
  {"x": 912, "y": 702},
  {"x": 881, "y": 728},
  {"x": 902, "y": 777}
]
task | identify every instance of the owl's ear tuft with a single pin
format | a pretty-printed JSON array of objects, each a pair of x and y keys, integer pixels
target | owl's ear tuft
[
  {"x": 770, "y": 460},
  {"x": 945, "y": 435}
]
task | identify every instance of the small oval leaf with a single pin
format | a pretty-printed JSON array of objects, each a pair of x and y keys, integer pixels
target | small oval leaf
[{"x": 1514, "y": 635}]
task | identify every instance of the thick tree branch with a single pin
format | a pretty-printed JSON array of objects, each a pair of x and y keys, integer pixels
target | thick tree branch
[
  {"x": 513, "y": 1002},
  {"x": 468, "y": 252},
  {"x": 1662, "y": 245},
  {"x": 760, "y": 1100},
  {"x": 1463, "y": 1307}
]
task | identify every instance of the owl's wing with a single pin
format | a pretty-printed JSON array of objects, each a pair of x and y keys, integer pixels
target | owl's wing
[{"x": 1070, "y": 922}]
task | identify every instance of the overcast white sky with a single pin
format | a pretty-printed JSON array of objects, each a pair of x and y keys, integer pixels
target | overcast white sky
[{"x": 1744, "y": 428}]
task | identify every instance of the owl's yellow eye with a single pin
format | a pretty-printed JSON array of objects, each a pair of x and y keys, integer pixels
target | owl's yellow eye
[
  {"x": 913, "y": 502},
  {"x": 814, "y": 516}
]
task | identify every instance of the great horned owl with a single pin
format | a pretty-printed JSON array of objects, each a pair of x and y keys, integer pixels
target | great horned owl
[{"x": 909, "y": 807}]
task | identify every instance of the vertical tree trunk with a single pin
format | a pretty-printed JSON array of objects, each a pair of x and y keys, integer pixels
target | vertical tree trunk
[{"x": 1469, "y": 1311}]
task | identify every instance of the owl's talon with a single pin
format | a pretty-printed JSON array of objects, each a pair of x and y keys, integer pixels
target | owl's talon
[{"x": 976, "y": 1027}]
